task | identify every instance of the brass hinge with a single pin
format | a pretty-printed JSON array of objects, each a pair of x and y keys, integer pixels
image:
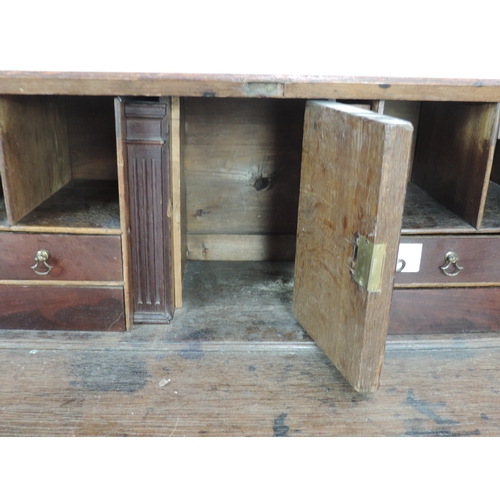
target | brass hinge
[{"x": 368, "y": 263}]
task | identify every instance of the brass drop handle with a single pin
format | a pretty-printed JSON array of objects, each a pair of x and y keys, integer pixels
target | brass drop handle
[
  {"x": 451, "y": 261},
  {"x": 41, "y": 258}
]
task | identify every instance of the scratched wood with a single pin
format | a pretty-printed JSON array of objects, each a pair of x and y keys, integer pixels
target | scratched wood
[
  {"x": 34, "y": 152},
  {"x": 268, "y": 85},
  {"x": 354, "y": 170},
  {"x": 96, "y": 384}
]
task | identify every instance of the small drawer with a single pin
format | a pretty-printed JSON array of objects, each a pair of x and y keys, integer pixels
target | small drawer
[
  {"x": 429, "y": 260},
  {"x": 49, "y": 307},
  {"x": 70, "y": 257},
  {"x": 445, "y": 310}
]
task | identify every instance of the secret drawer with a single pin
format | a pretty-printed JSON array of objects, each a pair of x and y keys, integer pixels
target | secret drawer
[
  {"x": 448, "y": 261},
  {"x": 69, "y": 257},
  {"x": 47, "y": 307}
]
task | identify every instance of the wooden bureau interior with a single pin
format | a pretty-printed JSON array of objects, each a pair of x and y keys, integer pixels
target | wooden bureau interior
[{"x": 231, "y": 193}]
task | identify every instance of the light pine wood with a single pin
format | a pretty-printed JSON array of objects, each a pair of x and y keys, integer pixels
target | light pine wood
[
  {"x": 242, "y": 165},
  {"x": 454, "y": 155},
  {"x": 241, "y": 247},
  {"x": 35, "y": 160},
  {"x": 354, "y": 170},
  {"x": 178, "y": 210},
  {"x": 122, "y": 173}
]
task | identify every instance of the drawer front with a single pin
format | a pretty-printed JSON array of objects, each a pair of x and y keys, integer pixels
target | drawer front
[
  {"x": 62, "y": 308},
  {"x": 72, "y": 257},
  {"x": 478, "y": 256},
  {"x": 445, "y": 310}
]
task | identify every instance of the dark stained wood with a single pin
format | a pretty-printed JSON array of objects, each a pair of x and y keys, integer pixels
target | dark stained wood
[
  {"x": 73, "y": 257},
  {"x": 354, "y": 170},
  {"x": 34, "y": 152},
  {"x": 147, "y": 153},
  {"x": 454, "y": 155},
  {"x": 478, "y": 255},
  {"x": 225, "y": 85},
  {"x": 92, "y": 137},
  {"x": 61, "y": 308},
  {"x": 445, "y": 310},
  {"x": 242, "y": 166},
  {"x": 80, "y": 206}
]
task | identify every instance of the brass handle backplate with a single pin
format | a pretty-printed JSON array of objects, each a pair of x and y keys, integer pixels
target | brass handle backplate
[
  {"x": 451, "y": 267},
  {"x": 41, "y": 259}
]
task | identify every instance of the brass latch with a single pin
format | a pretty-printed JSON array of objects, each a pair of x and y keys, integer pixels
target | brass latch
[{"x": 368, "y": 263}]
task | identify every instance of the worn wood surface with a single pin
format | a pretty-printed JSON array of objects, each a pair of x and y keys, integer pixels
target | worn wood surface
[
  {"x": 62, "y": 307},
  {"x": 124, "y": 204},
  {"x": 34, "y": 152},
  {"x": 79, "y": 207},
  {"x": 235, "y": 247},
  {"x": 147, "y": 145},
  {"x": 178, "y": 199},
  {"x": 242, "y": 165},
  {"x": 235, "y": 362},
  {"x": 445, "y": 310},
  {"x": 454, "y": 155},
  {"x": 225, "y": 85},
  {"x": 72, "y": 257},
  {"x": 354, "y": 170},
  {"x": 107, "y": 384},
  {"x": 478, "y": 255},
  {"x": 92, "y": 137}
]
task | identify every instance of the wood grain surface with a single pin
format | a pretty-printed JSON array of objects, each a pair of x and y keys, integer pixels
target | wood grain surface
[
  {"x": 264, "y": 85},
  {"x": 34, "y": 152},
  {"x": 104, "y": 384},
  {"x": 354, "y": 169},
  {"x": 445, "y": 310},
  {"x": 454, "y": 155},
  {"x": 62, "y": 308},
  {"x": 72, "y": 257},
  {"x": 242, "y": 166}
]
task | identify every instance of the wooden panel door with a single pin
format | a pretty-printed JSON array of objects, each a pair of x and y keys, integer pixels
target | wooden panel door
[
  {"x": 354, "y": 171},
  {"x": 144, "y": 156}
]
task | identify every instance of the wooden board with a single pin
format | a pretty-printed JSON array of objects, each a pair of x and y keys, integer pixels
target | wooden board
[
  {"x": 34, "y": 157},
  {"x": 242, "y": 165},
  {"x": 454, "y": 155},
  {"x": 445, "y": 310},
  {"x": 115, "y": 384},
  {"x": 92, "y": 137},
  {"x": 241, "y": 247},
  {"x": 354, "y": 171},
  {"x": 124, "y": 204},
  {"x": 62, "y": 308},
  {"x": 178, "y": 200}
]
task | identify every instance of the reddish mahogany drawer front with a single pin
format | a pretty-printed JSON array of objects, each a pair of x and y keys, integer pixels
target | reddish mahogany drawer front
[
  {"x": 46, "y": 307},
  {"x": 73, "y": 257},
  {"x": 478, "y": 255}
]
